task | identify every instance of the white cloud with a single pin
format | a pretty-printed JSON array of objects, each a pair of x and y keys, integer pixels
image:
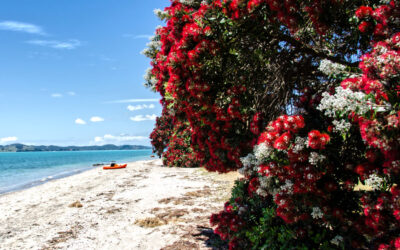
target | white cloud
[
  {"x": 8, "y": 139},
  {"x": 80, "y": 121},
  {"x": 140, "y": 118},
  {"x": 98, "y": 139},
  {"x": 142, "y": 36},
  {"x": 56, "y": 95},
  {"x": 21, "y": 27},
  {"x": 96, "y": 119},
  {"x": 119, "y": 138},
  {"x": 139, "y": 107},
  {"x": 70, "y": 44},
  {"x": 134, "y": 100},
  {"x": 59, "y": 95}
]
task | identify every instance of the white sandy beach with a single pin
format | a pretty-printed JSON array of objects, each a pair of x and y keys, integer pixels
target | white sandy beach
[{"x": 145, "y": 206}]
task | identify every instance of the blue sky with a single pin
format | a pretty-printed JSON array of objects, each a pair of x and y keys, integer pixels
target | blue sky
[{"x": 71, "y": 71}]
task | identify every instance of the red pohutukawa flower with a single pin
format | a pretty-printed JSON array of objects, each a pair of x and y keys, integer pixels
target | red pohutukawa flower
[
  {"x": 317, "y": 140},
  {"x": 364, "y": 11}
]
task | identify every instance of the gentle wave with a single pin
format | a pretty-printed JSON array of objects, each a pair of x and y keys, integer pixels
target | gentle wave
[{"x": 24, "y": 170}]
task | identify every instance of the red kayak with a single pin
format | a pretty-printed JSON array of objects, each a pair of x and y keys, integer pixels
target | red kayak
[{"x": 116, "y": 166}]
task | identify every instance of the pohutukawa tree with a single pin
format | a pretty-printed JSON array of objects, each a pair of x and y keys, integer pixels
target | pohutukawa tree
[
  {"x": 229, "y": 66},
  {"x": 228, "y": 69}
]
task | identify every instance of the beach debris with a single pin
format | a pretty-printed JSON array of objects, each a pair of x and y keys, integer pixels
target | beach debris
[
  {"x": 150, "y": 222},
  {"x": 166, "y": 200},
  {"x": 76, "y": 204},
  {"x": 63, "y": 236},
  {"x": 114, "y": 210},
  {"x": 172, "y": 215},
  {"x": 98, "y": 164},
  {"x": 181, "y": 244},
  {"x": 176, "y": 200},
  {"x": 198, "y": 210},
  {"x": 199, "y": 193}
]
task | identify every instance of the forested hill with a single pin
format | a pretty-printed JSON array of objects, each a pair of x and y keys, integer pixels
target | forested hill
[{"x": 29, "y": 148}]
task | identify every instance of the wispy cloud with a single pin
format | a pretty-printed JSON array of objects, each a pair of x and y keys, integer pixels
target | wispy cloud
[
  {"x": 59, "y": 95},
  {"x": 8, "y": 139},
  {"x": 70, "y": 44},
  {"x": 118, "y": 138},
  {"x": 139, "y": 107},
  {"x": 134, "y": 100},
  {"x": 141, "y": 36},
  {"x": 56, "y": 95},
  {"x": 97, "y": 119},
  {"x": 80, "y": 121},
  {"x": 21, "y": 27},
  {"x": 140, "y": 118}
]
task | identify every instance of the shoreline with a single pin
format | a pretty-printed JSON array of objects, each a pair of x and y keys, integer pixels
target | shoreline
[
  {"x": 115, "y": 209},
  {"x": 42, "y": 181},
  {"x": 60, "y": 175}
]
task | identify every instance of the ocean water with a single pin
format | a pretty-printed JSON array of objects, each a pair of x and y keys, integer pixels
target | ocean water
[{"x": 26, "y": 169}]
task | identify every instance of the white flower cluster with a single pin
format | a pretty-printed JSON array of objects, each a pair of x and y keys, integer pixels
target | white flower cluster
[
  {"x": 343, "y": 102},
  {"x": 299, "y": 144},
  {"x": 341, "y": 126},
  {"x": 288, "y": 187},
  {"x": 267, "y": 186},
  {"x": 192, "y": 2},
  {"x": 315, "y": 158},
  {"x": 145, "y": 52},
  {"x": 150, "y": 78},
  {"x": 317, "y": 213},
  {"x": 337, "y": 240},
  {"x": 160, "y": 13},
  {"x": 152, "y": 47},
  {"x": 249, "y": 164},
  {"x": 262, "y": 152},
  {"x": 262, "y": 192},
  {"x": 248, "y": 160},
  {"x": 330, "y": 68},
  {"x": 155, "y": 43},
  {"x": 374, "y": 182},
  {"x": 395, "y": 164}
]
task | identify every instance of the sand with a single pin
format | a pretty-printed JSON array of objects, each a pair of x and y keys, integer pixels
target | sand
[{"x": 145, "y": 206}]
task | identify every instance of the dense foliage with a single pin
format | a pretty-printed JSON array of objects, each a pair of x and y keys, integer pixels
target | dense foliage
[
  {"x": 162, "y": 132},
  {"x": 171, "y": 141},
  {"x": 229, "y": 66},
  {"x": 226, "y": 70}
]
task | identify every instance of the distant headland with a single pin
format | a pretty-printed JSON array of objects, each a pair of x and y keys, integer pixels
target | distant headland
[{"x": 29, "y": 148}]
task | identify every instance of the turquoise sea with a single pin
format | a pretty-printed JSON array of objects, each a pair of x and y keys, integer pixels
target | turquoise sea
[{"x": 27, "y": 169}]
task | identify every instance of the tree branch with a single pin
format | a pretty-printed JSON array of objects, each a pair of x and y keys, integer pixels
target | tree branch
[{"x": 306, "y": 49}]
